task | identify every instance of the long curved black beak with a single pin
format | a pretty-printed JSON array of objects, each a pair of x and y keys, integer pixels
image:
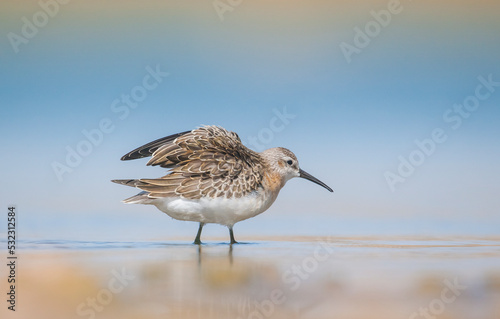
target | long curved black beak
[{"x": 313, "y": 179}]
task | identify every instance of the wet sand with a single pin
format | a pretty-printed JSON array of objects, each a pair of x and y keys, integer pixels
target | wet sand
[{"x": 267, "y": 277}]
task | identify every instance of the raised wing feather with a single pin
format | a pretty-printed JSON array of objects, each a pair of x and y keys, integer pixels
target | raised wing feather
[
  {"x": 206, "y": 162},
  {"x": 148, "y": 149}
]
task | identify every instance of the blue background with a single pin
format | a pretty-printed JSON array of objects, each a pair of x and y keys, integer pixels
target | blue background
[{"x": 352, "y": 120}]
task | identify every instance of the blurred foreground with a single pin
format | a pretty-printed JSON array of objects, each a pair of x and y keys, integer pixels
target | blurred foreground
[{"x": 306, "y": 277}]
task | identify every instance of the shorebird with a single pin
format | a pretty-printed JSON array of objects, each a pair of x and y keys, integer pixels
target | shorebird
[{"x": 213, "y": 177}]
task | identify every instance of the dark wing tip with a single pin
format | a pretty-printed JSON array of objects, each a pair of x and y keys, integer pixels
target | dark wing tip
[{"x": 148, "y": 149}]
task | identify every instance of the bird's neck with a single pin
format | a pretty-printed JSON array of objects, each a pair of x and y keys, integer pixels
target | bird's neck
[{"x": 273, "y": 182}]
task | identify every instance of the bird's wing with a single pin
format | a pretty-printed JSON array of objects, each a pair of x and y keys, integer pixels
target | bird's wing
[
  {"x": 148, "y": 149},
  {"x": 206, "y": 162}
]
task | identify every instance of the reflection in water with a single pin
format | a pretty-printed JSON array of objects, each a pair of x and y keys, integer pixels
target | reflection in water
[
  {"x": 360, "y": 278},
  {"x": 229, "y": 254}
]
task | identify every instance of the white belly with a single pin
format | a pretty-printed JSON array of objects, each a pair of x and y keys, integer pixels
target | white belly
[{"x": 218, "y": 210}]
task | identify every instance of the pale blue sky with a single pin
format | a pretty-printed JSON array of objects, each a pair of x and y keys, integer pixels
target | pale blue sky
[{"x": 351, "y": 122}]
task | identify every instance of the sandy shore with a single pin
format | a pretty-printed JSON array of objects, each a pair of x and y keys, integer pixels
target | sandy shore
[{"x": 302, "y": 277}]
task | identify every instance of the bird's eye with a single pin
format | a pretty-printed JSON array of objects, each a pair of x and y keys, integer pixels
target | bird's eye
[{"x": 289, "y": 162}]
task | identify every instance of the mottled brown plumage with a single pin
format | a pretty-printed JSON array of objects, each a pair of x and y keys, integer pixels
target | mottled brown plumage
[
  {"x": 213, "y": 177},
  {"x": 206, "y": 162}
]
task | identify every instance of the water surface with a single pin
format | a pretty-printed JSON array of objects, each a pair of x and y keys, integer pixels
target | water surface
[{"x": 269, "y": 277}]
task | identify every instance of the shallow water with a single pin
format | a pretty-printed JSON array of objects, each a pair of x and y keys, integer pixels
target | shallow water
[{"x": 267, "y": 277}]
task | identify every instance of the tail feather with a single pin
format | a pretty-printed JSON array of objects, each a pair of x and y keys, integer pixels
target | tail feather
[
  {"x": 126, "y": 182},
  {"x": 141, "y": 198}
]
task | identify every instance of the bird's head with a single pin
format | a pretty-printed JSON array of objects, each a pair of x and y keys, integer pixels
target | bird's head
[{"x": 285, "y": 163}]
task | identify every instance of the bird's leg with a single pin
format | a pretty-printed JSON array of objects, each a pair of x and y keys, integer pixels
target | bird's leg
[
  {"x": 197, "y": 240},
  {"x": 231, "y": 235}
]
